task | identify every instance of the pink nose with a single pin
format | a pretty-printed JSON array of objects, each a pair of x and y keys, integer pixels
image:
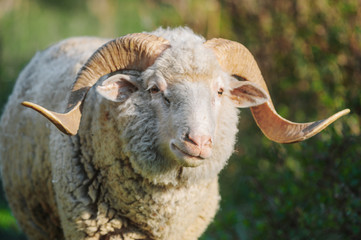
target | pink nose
[{"x": 200, "y": 141}]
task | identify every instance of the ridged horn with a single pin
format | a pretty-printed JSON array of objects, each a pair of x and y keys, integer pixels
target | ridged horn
[
  {"x": 135, "y": 51},
  {"x": 236, "y": 59}
]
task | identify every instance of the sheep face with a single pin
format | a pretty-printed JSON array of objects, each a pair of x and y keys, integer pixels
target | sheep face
[
  {"x": 187, "y": 113},
  {"x": 181, "y": 106}
]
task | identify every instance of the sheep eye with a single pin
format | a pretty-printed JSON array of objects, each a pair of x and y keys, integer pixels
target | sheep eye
[
  {"x": 154, "y": 89},
  {"x": 220, "y": 92}
]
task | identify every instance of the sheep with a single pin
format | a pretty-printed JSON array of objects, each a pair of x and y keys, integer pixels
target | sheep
[{"x": 150, "y": 121}]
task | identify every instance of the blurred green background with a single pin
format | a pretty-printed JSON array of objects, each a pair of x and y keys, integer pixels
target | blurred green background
[{"x": 309, "y": 52}]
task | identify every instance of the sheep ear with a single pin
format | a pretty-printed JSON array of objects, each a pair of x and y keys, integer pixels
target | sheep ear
[
  {"x": 117, "y": 88},
  {"x": 247, "y": 94}
]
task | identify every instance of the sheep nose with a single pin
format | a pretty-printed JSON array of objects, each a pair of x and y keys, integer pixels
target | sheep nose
[{"x": 200, "y": 140}]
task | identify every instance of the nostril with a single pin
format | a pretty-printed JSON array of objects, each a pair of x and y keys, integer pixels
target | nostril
[
  {"x": 190, "y": 139},
  {"x": 199, "y": 140},
  {"x": 208, "y": 141}
]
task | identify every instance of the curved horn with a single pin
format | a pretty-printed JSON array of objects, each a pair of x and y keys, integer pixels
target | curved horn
[
  {"x": 235, "y": 59},
  {"x": 68, "y": 122},
  {"x": 135, "y": 51}
]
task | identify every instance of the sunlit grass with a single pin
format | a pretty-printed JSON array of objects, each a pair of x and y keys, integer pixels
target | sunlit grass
[{"x": 7, "y": 221}]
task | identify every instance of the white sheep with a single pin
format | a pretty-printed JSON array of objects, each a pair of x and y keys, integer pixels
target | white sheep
[{"x": 151, "y": 120}]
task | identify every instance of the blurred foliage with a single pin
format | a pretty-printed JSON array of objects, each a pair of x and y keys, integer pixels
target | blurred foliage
[{"x": 309, "y": 52}]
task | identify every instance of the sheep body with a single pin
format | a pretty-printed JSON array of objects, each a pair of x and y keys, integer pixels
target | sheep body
[{"x": 109, "y": 181}]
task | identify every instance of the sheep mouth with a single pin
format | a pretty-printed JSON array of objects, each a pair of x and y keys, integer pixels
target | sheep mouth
[{"x": 185, "y": 158}]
